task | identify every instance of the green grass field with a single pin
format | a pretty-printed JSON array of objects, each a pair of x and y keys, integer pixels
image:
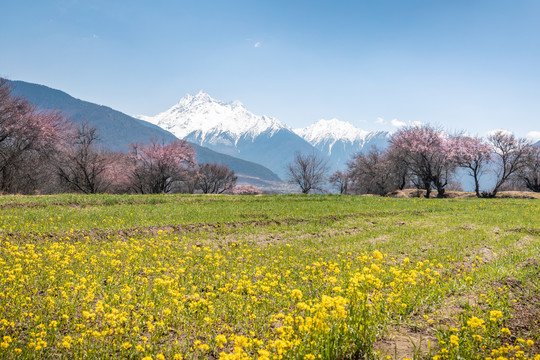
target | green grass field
[{"x": 268, "y": 277}]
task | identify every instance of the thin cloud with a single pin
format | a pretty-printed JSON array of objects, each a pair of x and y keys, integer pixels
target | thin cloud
[
  {"x": 257, "y": 44},
  {"x": 417, "y": 123},
  {"x": 380, "y": 120},
  {"x": 397, "y": 123}
]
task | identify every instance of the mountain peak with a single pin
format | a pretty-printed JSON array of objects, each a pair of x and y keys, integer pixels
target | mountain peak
[
  {"x": 207, "y": 117},
  {"x": 340, "y": 139},
  {"x": 203, "y": 95},
  {"x": 333, "y": 129}
]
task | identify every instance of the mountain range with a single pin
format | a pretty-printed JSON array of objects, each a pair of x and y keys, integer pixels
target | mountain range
[
  {"x": 230, "y": 128},
  {"x": 340, "y": 140},
  {"x": 257, "y": 148},
  {"x": 118, "y": 130}
]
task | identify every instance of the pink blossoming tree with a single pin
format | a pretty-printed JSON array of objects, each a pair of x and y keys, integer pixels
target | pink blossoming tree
[
  {"x": 157, "y": 167},
  {"x": 28, "y": 138},
  {"x": 474, "y": 155},
  {"x": 245, "y": 190},
  {"x": 428, "y": 154}
]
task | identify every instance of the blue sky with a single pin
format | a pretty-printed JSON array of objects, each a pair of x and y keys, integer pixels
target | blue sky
[{"x": 462, "y": 64}]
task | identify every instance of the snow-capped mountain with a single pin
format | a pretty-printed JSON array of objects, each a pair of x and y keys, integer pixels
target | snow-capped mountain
[
  {"x": 340, "y": 140},
  {"x": 207, "y": 119},
  {"x": 232, "y": 129}
]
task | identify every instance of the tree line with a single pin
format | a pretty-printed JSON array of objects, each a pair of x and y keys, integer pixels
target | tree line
[
  {"x": 427, "y": 158},
  {"x": 44, "y": 152}
]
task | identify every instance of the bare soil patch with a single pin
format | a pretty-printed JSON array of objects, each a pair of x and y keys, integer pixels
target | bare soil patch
[
  {"x": 406, "y": 342},
  {"x": 453, "y": 306},
  {"x": 418, "y": 193},
  {"x": 518, "y": 195},
  {"x": 486, "y": 254},
  {"x": 530, "y": 231},
  {"x": 525, "y": 320}
]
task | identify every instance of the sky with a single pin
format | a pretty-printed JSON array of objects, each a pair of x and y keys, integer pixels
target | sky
[{"x": 463, "y": 65}]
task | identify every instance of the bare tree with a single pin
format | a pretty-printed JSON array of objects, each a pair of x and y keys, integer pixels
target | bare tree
[
  {"x": 215, "y": 178},
  {"x": 376, "y": 173},
  {"x": 340, "y": 181},
  {"x": 529, "y": 175},
  {"x": 83, "y": 166},
  {"x": 188, "y": 182},
  {"x": 398, "y": 167},
  {"x": 308, "y": 172},
  {"x": 510, "y": 156}
]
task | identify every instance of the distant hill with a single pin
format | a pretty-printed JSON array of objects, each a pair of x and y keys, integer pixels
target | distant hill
[
  {"x": 117, "y": 130},
  {"x": 537, "y": 144}
]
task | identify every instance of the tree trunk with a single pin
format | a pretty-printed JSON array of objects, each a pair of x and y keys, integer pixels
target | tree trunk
[
  {"x": 440, "y": 192},
  {"x": 427, "y": 187},
  {"x": 476, "y": 185}
]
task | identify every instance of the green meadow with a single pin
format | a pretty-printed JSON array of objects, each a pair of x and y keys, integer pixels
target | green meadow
[{"x": 268, "y": 277}]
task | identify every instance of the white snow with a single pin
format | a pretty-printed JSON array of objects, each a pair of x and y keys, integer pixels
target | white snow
[
  {"x": 213, "y": 117},
  {"x": 332, "y": 130},
  {"x": 210, "y": 121}
]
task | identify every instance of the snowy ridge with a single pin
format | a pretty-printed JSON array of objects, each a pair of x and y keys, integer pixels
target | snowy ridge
[
  {"x": 325, "y": 134},
  {"x": 331, "y": 131},
  {"x": 206, "y": 119},
  {"x": 231, "y": 129}
]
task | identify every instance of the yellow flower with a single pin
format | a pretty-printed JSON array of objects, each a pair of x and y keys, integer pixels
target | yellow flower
[
  {"x": 477, "y": 337},
  {"x": 475, "y": 322},
  {"x": 377, "y": 255},
  {"x": 495, "y": 315},
  {"x": 204, "y": 347},
  {"x": 221, "y": 340},
  {"x": 297, "y": 294}
]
